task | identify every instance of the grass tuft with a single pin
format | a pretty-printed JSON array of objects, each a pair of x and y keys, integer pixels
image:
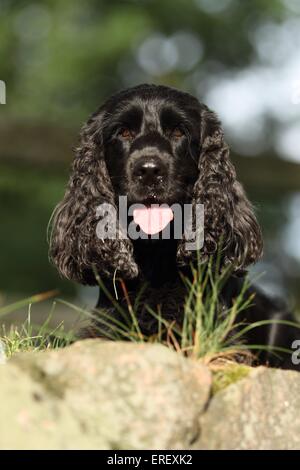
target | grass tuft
[
  {"x": 209, "y": 331},
  {"x": 31, "y": 337},
  {"x": 207, "y": 326}
]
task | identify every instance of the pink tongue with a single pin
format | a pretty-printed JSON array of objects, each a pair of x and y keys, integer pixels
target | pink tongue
[{"x": 153, "y": 219}]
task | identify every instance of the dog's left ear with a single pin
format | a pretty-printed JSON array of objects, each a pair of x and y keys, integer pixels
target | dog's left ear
[{"x": 229, "y": 220}]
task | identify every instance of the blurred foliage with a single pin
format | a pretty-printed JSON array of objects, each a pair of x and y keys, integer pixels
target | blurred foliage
[
  {"x": 28, "y": 196},
  {"x": 60, "y": 58}
]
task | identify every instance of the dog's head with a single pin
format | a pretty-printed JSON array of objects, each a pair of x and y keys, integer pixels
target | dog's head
[
  {"x": 155, "y": 145},
  {"x": 151, "y": 144}
]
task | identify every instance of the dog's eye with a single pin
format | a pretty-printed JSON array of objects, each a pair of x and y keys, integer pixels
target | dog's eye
[
  {"x": 177, "y": 133},
  {"x": 126, "y": 134}
]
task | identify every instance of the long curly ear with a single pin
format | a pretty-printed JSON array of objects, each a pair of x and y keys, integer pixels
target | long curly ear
[
  {"x": 74, "y": 245},
  {"x": 229, "y": 219}
]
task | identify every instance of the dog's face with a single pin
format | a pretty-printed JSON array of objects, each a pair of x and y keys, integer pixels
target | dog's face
[
  {"x": 155, "y": 145},
  {"x": 151, "y": 147}
]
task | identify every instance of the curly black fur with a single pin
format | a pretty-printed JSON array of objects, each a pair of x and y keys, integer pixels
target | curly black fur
[{"x": 194, "y": 167}]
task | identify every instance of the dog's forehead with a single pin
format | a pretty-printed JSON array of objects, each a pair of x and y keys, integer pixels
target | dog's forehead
[{"x": 151, "y": 109}]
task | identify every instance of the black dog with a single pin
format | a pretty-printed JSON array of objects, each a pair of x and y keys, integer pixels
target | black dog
[{"x": 157, "y": 145}]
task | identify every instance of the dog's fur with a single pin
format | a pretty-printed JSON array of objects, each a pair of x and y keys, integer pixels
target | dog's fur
[{"x": 184, "y": 141}]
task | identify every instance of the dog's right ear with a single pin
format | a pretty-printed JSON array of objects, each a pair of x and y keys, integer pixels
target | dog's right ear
[{"x": 75, "y": 248}]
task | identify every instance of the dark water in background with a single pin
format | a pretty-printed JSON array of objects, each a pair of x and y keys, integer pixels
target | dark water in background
[{"x": 28, "y": 196}]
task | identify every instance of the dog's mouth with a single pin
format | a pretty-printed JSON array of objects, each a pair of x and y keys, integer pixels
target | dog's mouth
[{"x": 153, "y": 217}]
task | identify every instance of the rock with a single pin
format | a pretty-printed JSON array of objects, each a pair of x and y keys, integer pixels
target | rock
[
  {"x": 102, "y": 395},
  {"x": 258, "y": 412},
  {"x": 98, "y": 394}
]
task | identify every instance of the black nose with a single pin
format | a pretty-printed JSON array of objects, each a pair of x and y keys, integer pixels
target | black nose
[{"x": 149, "y": 169}]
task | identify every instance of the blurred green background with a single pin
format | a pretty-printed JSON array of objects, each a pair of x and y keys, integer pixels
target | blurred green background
[{"x": 60, "y": 59}]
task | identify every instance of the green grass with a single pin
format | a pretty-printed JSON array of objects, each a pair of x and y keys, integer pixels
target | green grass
[
  {"x": 206, "y": 323},
  {"x": 29, "y": 336},
  {"x": 208, "y": 331}
]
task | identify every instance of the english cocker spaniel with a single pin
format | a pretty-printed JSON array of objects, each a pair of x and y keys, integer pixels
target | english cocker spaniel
[{"x": 160, "y": 147}]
